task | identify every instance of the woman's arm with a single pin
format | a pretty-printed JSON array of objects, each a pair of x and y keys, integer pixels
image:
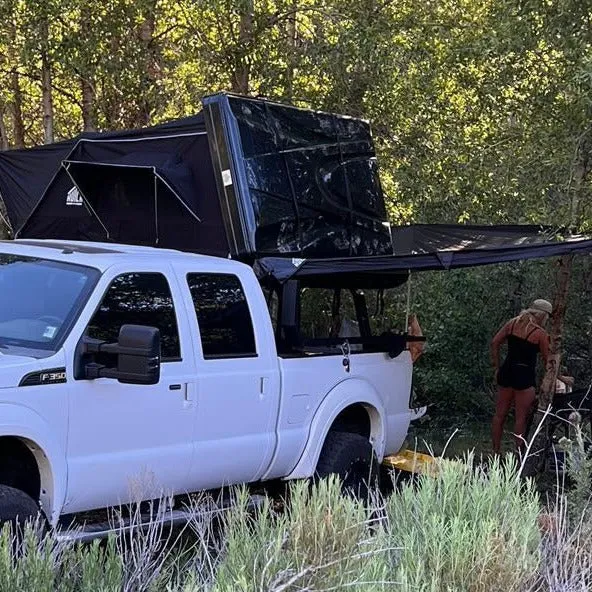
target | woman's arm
[
  {"x": 496, "y": 344},
  {"x": 544, "y": 341}
]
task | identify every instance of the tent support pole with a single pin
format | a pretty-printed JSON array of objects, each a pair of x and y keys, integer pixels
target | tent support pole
[
  {"x": 408, "y": 305},
  {"x": 156, "y": 206}
]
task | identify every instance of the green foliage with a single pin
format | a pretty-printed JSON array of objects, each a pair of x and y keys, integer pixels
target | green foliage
[
  {"x": 481, "y": 113},
  {"x": 469, "y": 529}
]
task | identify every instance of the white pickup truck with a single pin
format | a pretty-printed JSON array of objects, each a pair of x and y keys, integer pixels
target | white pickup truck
[{"x": 131, "y": 371}]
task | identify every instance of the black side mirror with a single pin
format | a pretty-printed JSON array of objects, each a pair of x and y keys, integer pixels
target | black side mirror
[{"x": 137, "y": 351}]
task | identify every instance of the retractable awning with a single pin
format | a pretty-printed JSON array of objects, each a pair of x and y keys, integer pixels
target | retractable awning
[{"x": 433, "y": 247}]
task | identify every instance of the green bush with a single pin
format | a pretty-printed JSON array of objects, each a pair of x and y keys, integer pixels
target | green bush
[{"x": 468, "y": 530}]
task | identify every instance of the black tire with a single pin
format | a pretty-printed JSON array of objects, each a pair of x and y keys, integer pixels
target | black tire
[
  {"x": 16, "y": 508},
  {"x": 352, "y": 458}
]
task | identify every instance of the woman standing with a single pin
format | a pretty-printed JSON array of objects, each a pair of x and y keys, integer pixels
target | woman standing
[{"x": 516, "y": 378}]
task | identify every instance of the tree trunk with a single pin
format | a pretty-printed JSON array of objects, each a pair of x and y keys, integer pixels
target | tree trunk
[
  {"x": 242, "y": 68},
  {"x": 88, "y": 104},
  {"x": 16, "y": 104},
  {"x": 46, "y": 84},
  {"x": 86, "y": 79},
  {"x": 151, "y": 68},
  {"x": 292, "y": 33},
  {"x": 539, "y": 444},
  {"x": 3, "y": 133},
  {"x": 16, "y": 109}
]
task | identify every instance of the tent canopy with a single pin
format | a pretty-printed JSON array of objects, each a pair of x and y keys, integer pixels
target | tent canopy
[
  {"x": 426, "y": 247},
  {"x": 151, "y": 187},
  {"x": 264, "y": 179},
  {"x": 26, "y": 174}
]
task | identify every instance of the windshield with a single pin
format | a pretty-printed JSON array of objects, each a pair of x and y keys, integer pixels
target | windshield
[{"x": 39, "y": 300}]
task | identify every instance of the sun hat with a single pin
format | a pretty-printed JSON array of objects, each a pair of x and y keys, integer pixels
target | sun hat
[{"x": 542, "y": 306}]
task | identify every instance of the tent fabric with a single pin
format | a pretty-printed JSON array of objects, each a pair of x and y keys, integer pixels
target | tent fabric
[
  {"x": 26, "y": 174},
  {"x": 432, "y": 247},
  {"x": 168, "y": 168},
  {"x": 153, "y": 186}
]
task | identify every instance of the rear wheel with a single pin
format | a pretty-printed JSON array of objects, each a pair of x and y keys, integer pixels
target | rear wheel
[
  {"x": 352, "y": 458},
  {"x": 17, "y": 508}
]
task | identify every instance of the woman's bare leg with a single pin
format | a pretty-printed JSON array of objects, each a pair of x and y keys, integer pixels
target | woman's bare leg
[
  {"x": 524, "y": 401},
  {"x": 505, "y": 397}
]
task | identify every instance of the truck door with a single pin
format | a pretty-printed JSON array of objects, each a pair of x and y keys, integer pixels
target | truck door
[
  {"x": 133, "y": 441},
  {"x": 237, "y": 382}
]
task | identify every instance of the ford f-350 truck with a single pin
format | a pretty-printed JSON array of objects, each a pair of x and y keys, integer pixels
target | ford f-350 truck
[{"x": 131, "y": 371}]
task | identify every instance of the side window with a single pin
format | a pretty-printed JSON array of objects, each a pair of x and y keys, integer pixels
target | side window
[
  {"x": 138, "y": 299},
  {"x": 223, "y": 315},
  {"x": 327, "y": 313}
]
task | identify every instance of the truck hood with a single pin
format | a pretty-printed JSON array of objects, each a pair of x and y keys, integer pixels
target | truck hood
[{"x": 14, "y": 368}]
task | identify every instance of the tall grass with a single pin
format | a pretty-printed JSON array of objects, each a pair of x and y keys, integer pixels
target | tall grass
[{"x": 469, "y": 529}]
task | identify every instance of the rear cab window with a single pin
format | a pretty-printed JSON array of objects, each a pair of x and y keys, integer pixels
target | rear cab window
[{"x": 223, "y": 316}]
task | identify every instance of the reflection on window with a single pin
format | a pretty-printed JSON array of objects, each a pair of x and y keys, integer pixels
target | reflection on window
[
  {"x": 223, "y": 315},
  {"x": 138, "y": 299}
]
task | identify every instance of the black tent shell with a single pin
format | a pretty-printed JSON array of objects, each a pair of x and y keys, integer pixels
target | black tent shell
[{"x": 269, "y": 179}]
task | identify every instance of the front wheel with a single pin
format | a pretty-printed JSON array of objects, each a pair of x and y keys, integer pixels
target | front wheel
[{"x": 352, "y": 458}]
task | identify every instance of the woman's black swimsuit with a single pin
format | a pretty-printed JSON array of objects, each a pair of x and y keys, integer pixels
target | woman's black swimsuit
[{"x": 519, "y": 368}]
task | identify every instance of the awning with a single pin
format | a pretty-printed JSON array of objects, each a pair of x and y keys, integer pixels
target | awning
[{"x": 432, "y": 247}]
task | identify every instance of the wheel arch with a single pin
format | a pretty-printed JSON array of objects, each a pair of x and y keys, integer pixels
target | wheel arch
[
  {"x": 336, "y": 411},
  {"x": 23, "y": 429}
]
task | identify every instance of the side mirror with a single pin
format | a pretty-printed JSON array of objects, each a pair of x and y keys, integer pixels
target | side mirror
[{"x": 138, "y": 356}]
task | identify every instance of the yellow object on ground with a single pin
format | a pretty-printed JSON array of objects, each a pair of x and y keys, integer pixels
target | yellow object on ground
[{"x": 412, "y": 462}]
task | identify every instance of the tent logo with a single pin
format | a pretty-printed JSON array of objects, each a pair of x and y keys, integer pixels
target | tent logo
[{"x": 73, "y": 197}]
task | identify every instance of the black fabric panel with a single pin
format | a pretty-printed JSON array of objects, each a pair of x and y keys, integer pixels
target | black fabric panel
[
  {"x": 123, "y": 196},
  {"x": 431, "y": 238},
  {"x": 465, "y": 246},
  {"x": 26, "y": 174}
]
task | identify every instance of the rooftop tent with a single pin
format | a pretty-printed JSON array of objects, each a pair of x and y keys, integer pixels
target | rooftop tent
[
  {"x": 267, "y": 179},
  {"x": 26, "y": 174},
  {"x": 153, "y": 188},
  {"x": 295, "y": 181},
  {"x": 431, "y": 247}
]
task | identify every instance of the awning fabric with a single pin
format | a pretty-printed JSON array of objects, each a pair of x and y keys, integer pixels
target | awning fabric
[{"x": 432, "y": 247}]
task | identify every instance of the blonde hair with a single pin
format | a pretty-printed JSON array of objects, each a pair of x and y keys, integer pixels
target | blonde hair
[{"x": 537, "y": 317}]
